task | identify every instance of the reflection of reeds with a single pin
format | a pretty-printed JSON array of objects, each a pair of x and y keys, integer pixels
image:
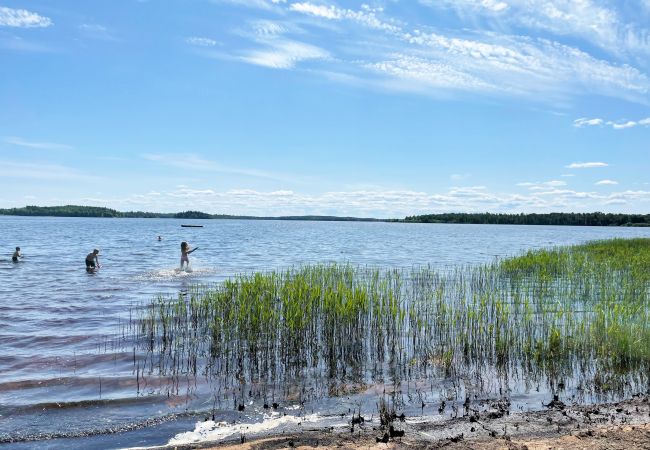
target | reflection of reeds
[{"x": 574, "y": 315}]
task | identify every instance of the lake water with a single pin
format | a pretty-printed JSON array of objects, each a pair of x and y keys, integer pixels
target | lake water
[{"x": 65, "y": 379}]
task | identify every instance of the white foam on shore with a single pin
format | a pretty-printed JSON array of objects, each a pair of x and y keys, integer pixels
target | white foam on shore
[{"x": 273, "y": 423}]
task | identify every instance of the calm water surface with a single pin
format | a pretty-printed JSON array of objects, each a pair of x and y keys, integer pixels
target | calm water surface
[{"x": 64, "y": 378}]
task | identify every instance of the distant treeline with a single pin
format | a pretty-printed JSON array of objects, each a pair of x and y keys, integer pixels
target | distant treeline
[
  {"x": 95, "y": 211},
  {"x": 589, "y": 219},
  {"x": 575, "y": 219}
]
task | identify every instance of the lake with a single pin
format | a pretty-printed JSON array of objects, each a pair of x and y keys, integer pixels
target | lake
[{"x": 67, "y": 374}]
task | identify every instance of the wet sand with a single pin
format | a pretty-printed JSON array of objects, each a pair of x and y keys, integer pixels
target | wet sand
[{"x": 621, "y": 425}]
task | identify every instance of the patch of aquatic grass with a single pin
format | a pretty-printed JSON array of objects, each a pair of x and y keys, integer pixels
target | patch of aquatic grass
[{"x": 571, "y": 315}]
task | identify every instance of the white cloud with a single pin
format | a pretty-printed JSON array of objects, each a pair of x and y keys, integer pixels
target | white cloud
[
  {"x": 366, "y": 17},
  {"x": 494, "y": 5},
  {"x": 379, "y": 51},
  {"x": 268, "y": 28},
  {"x": 622, "y": 125},
  {"x": 429, "y": 74},
  {"x": 616, "y": 201},
  {"x": 258, "y": 4},
  {"x": 376, "y": 203},
  {"x": 524, "y": 66},
  {"x": 37, "y": 145},
  {"x": 328, "y": 12},
  {"x": 617, "y": 125},
  {"x": 606, "y": 182},
  {"x": 459, "y": 176},
  {"x": 583, "y": 122},
  {"x": 284, "y": 54},
  {"x": 21, "y": 18},
  {"x": 586, "y": 165},
  {"x": 201, "y": 41},
  {"x": 493, "y": 62},
  {"x": 542, "y": 185},
  {"x": 590, "y": 20}
]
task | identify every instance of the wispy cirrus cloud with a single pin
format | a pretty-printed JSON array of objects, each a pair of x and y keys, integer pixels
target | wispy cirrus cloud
[
  {"x": 586, "y": 165},
  {"x": 35, "y": 144},
  {"x": 98, "y": 32},
  {"x": 616, "y": 125},
  {"x": 194, "y": 162},
  {"x": 369, "y": 47},
  {"x": 284, "y": 54},
  {"x": 597, "y": 22},
  {"x": 585, "y": 122},
  {"x": 366, "y": 16},
  {"x": 542, "y": 185},
  {"x": 22, "y": 18},
  {"x": 269, "y": 46},
  {"x": 459, "y": 176},
  {"x": 606, "y": 183},
  {"x": 411, "y": 58},
  {"x": 258, "y": 4},
  {"x": 275, "y": 49},
  {"x": 201, "y": 41},
  {"x": 44, "y": 171}
]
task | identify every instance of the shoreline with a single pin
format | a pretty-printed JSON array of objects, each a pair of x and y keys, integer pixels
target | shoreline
[
  {"x": 624, "y": 424},
  {"x": 460, "y": 218}
]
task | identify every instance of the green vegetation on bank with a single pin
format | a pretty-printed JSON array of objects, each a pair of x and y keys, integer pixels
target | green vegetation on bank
[
  {"x": 575, "y": 219},
  {"x": 571, "y": 318}
]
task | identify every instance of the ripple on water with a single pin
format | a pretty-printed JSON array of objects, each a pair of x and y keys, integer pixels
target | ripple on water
[{"x": 173, "y": 274}]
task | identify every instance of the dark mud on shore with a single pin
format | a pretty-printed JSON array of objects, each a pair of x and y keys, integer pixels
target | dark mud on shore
[{"x": 620, "y": 425}]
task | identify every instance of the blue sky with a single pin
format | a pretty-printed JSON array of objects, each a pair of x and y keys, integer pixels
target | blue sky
[{"x": 274, "y": 107}]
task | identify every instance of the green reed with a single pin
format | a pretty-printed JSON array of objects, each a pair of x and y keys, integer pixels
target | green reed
[{"x": 574, "y": 316}]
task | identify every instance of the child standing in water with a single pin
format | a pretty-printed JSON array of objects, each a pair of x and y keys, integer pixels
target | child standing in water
[
  {"x": 185, "y": 250},
  {"x": 16, "y": 255},
  {"x": 91, "y": 259}
]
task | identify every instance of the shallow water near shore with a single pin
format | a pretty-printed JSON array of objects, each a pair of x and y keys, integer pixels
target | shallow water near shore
[{"x": 65, "y": 371}]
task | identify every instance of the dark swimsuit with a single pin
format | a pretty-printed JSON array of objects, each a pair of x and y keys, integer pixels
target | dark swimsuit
[
  {"x": 14, "y": 258},
  {"x": 90, "y": 264}
]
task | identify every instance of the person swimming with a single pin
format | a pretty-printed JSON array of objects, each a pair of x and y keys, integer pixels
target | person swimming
[
  {"x": 185, "y": 251},
  {"x": 16, "y": 255},
  {"x": 92, "y": 261}
]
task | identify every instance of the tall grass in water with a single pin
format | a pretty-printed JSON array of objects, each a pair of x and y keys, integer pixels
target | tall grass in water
[{"x": 565, "y": 317}]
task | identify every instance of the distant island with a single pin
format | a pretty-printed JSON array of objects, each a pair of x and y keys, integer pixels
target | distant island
[
  {"x": 572, "y": 219},
  {"x": 97, "y": 211}
]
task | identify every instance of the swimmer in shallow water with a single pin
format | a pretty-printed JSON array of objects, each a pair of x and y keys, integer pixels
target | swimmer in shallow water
[
  {"x": 92, "y": 261},
  {"x": 16, "y": 255},
  {"x": 185, "y": 251}
]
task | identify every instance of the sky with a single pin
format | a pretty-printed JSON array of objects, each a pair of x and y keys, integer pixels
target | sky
[{"x": 280, "y": 107}]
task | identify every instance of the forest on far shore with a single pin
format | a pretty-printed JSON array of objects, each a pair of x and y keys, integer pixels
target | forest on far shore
[
  {"x": 573, "y": 219},
  {"x": 597, "y": 219}
]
